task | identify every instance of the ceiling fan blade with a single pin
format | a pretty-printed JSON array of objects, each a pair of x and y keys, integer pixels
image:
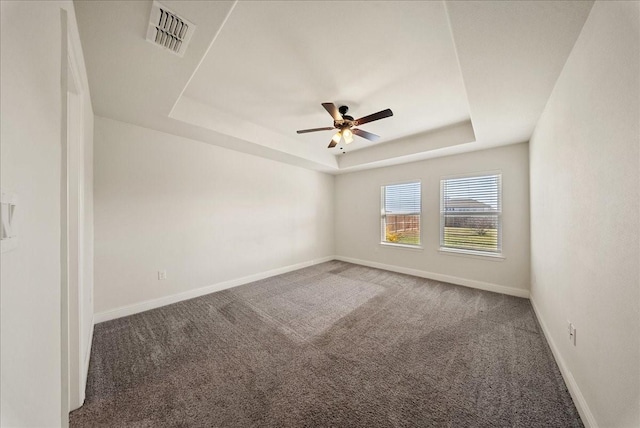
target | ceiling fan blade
[
  {"x": 364, "y": 134},
  {"x": 332, "y": 144},
  {"x": 375, "y": 116},
  {"x": 304, "y": 131},
  {"x": 333, "y": 110}
]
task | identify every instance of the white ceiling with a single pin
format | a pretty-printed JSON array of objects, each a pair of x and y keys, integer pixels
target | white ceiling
[
  {"x": 459, "y": 76},
  {"x": 274, "y": 63},
  {"x": 511, "y": 54}
]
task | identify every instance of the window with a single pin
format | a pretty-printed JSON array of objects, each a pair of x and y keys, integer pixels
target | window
[
  {"x": 401, "y": 214},
  {"x": 471, "y": 214}
]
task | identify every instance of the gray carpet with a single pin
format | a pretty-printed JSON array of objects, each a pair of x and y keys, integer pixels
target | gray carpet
[{"x": 335, "y": 344}]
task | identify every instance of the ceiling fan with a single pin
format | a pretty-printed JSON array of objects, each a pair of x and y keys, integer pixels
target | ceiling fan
[{"x": 345, "y": 124}]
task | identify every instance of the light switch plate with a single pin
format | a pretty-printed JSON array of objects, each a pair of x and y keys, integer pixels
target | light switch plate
[{"x": 8, "y": 236}]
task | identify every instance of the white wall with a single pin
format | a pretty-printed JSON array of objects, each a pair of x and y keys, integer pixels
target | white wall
[
  {"x": 357, "y": 220},
  {"x": 584, "y": 158},
  {"x": 203, "y": 213},
  {"x": 32, "y": 84}
]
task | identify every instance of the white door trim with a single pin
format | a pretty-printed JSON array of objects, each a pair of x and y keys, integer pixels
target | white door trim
[{"x": 77, "y": 358}]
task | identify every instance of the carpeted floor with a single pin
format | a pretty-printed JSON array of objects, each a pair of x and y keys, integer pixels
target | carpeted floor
[{"x": 336, "y": 345}]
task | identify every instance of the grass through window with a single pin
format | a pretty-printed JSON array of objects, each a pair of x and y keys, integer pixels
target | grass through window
[{"x": 471, "y": 238}]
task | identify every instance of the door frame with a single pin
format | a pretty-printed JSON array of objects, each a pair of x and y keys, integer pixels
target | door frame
[{"x": 75, "y": 334}]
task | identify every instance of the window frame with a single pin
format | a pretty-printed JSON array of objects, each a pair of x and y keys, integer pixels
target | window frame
[
  {"x": 383, "y": 216},
  {"x": 499, "y": 253}
]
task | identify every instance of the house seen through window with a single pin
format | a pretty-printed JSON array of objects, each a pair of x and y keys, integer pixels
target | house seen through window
[
  {"x": 401, "y": 207},
  {"x": 471, "y": 214}
]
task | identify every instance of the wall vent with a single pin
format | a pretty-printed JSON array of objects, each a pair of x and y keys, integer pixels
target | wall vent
[{"x": 168, "y": 30}]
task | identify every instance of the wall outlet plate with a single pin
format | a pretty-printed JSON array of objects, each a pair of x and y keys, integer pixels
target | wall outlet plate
[
  {"x": 571, "y": 329},
  {"x": 162, "y": 275}
]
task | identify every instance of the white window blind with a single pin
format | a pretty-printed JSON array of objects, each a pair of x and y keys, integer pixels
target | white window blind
[
  {"x": 401, "y": 207},
  {"x": 471, "y": 213}
]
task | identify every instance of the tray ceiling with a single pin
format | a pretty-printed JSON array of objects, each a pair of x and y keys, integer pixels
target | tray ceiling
[{"x": 459, "y": 76}]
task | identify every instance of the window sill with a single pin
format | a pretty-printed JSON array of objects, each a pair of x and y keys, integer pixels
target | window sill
[
  {"x": 403, "y": 246},
  {"x": 496, "y": 257}
]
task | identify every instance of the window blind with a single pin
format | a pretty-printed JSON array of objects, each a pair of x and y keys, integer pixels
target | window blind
[
  {"x": 471, "y": 213},
  {"x": 401, "y": 205},
  {"x": 402, "y": 198}
]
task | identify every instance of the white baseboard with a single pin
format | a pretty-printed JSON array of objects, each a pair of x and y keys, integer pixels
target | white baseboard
[
  {"x": 135, "y": 308},
  {"x": 581, "y": 404},
  {"x": 518, "y": 292}
]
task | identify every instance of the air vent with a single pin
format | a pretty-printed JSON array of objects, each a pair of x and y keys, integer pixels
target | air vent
[{"x": 168, "y": 30}]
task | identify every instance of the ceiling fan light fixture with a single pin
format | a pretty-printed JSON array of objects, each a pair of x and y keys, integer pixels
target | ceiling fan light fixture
[
  {"x": 336, "y": 138},
  {"x": 347, "y": 135}
]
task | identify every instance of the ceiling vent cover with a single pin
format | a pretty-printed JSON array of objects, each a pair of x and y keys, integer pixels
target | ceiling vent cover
[{"x": 168, "y": 30}]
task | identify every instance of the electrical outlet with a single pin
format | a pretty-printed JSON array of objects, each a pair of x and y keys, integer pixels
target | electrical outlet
[
  {"x": 162, "y": 274},
  {"x": 572, "y": 333}
]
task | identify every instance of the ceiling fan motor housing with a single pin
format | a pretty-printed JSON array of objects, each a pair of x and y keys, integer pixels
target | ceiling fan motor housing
[
  {"x": 346, "y": 122},
  {"x": 343, "y": 112}
]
